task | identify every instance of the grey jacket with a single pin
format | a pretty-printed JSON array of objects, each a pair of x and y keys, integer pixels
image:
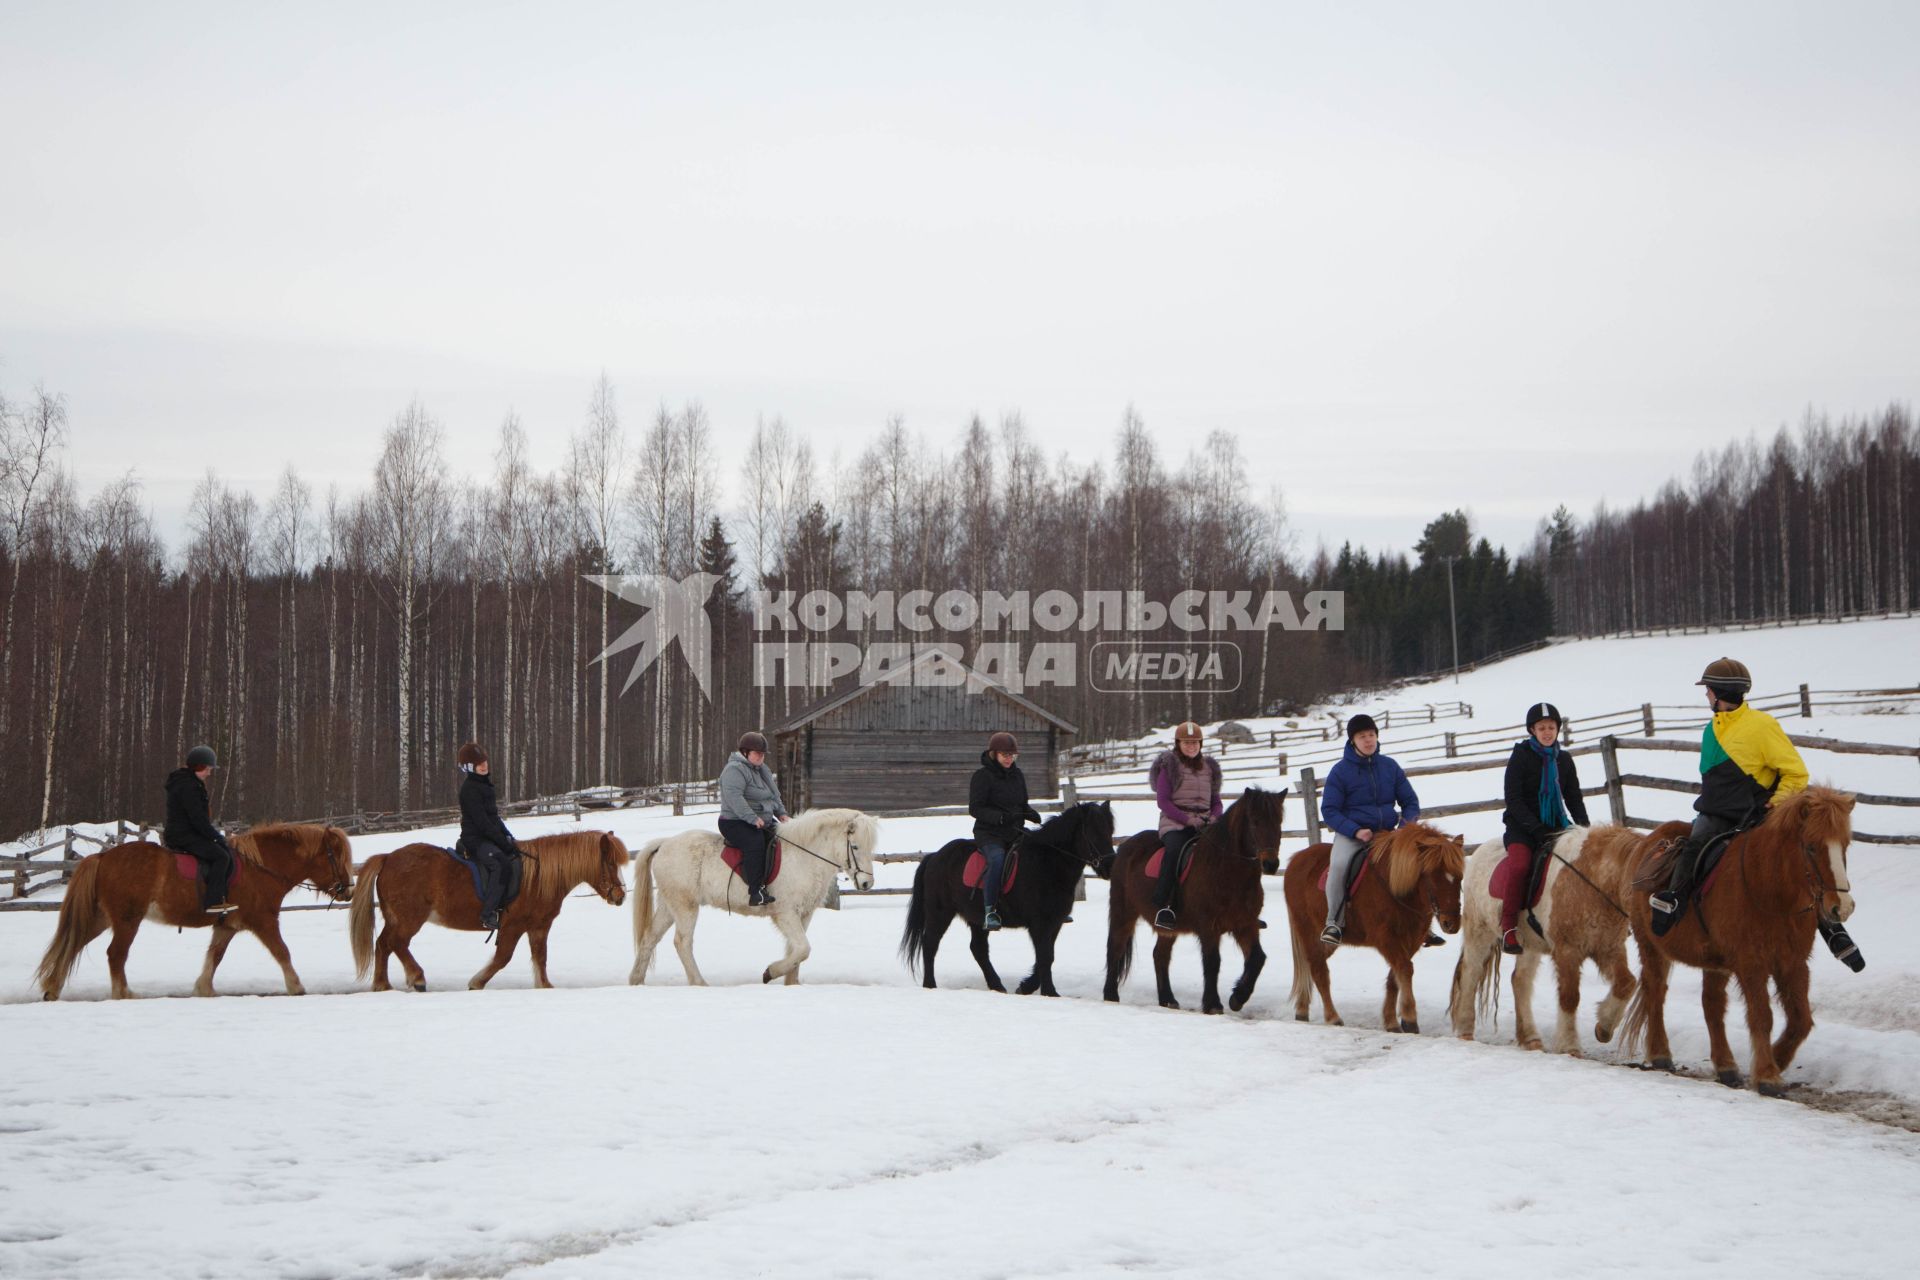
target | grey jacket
[{"x": 748, "y": 791}]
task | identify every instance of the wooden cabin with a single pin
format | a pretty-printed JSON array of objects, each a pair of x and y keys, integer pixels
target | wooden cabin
[{"x": 905, "y": 743}]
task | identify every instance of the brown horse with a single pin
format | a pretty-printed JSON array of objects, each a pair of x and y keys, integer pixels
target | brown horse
[
  {"x": 118, "y": 888},
  {"x": 1581, "y": 913},
  {"x": 420, "y": 883},
  {"x": 1222, "y": 894},
  {"x": 1415, "y": 876},
  {"x": 1775, "y": 884}
]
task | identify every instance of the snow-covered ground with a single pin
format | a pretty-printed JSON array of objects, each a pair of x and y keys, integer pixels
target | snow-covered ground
[{"x": 858, "y": 1126}]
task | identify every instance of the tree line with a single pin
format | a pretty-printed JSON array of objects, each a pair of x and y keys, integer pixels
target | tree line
[{"x": 335, "y": 647}]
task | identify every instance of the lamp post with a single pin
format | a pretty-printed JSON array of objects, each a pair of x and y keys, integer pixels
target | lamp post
[{"x": 1453, "y": 618}]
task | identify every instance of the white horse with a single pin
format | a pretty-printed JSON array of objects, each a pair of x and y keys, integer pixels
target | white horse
[
  {"x": 688, "y": 872},
  {"x": 1581, "y": 916}
]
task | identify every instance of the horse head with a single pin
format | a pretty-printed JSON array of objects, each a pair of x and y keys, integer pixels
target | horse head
[
  {"x": 1821, "y": 823},
  {"x": 863, "y": 839},
  {"x": 606, "y": 880},
  {"x": 1253, "y": 823},
  {"x": 1420, "y": 857},
  {"x": 1085, "y": 831},
  {"x": 335, "y": 877}
]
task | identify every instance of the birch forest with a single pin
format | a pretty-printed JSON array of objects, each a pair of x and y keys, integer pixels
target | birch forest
[{"x": 335, "y": 647}]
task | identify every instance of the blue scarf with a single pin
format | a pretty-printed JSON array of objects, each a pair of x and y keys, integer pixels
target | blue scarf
[{"x": 1553, "y": 808}]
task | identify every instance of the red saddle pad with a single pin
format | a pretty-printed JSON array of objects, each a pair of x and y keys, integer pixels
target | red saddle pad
[
  {"x": 1366, "y": 864},
  {"x": 1154, "y": 862},
  {"x": 731, "y": 856},
  {"x": 187, "y": 867},
  {"x": 1507, "y": 873},
  {"x": 975, "y": 872}
]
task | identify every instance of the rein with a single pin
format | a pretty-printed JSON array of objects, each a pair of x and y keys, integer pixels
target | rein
[
  {"x": 1604, "y": 897},
  {"x": 847, "y": 868}
]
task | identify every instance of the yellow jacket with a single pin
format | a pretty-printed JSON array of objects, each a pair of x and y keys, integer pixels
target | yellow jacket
[{"x": 1754, "y": 743}]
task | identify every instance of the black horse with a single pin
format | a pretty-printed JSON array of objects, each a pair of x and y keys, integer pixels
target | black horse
[{"x": 1053, "y": 858}]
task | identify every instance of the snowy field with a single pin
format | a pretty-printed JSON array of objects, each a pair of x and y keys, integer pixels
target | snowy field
[{"x": 857, "y": 1126}]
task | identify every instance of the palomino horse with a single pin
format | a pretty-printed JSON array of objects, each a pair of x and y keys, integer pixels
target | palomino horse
[
  {"x": 1222, "y": 895},
  {"x": 1053, "y": 861},
  {"x": 1580, "y": 912},
  {"x": 421, "y": 883},
  {"x": 1414, "y": 876},
  {"x": 687, "y": 868},
  {"x": 1775, "y": 884},
  {"x": 118, "y": 888}
]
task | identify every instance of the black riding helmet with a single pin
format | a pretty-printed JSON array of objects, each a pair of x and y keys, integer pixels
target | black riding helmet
[
  {"x": 1544, "y": 711},
  {"x": 202, "y": 757}
]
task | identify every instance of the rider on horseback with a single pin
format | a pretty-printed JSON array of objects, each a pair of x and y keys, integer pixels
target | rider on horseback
[
  {"x": 190, "y": 829},
  {"x": 1359, "y": 803},
  {"x": 1746, "y": 763},
  {"x": 485, "y": 838},
  {"x": 1543, "y": 799},
  {"x": 1186, "y": 785},
  {"x": 997, "y": 799},
  {"x": 750, "y": 810}
]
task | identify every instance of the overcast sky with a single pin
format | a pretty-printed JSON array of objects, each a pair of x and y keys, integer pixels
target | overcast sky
[{"x": 1422, "y": 256}]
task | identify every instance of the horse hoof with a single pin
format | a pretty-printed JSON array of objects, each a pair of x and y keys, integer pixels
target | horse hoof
[
  {"x": 1333, "y": 1022},
  {"x": 1533, "y": 1046},
  {"x": 1411, "y": 1028},
  {"x": 1213, "y": 1008},
  {"x": 1729, "y": 1078},
  {"x": 1169, "y": 1004},
  {"x": 1237, "y": 1003},
  {"x": 1661, "y": 1064},
  {"x": 419, "y": 986},
  {"x": 1050, "y": 992},
  {"x": 767, "y": 974},
  {"x": 1028, "y": 987},
  {"x": 1110, "y": 997},
  {"x": 1300, "y": 1017},
  {"x": 1771, "y": 1089},
  {"x": 1604, "y": 1034}
]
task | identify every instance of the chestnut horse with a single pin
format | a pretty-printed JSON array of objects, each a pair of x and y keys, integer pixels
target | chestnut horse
[
  {"x": 1222, "y": 894},
  {"x": 420, "y": 883},
  {"x": 118, "y": 888},
  {"x": 1773, "y": 887},
  {"x": 1580, "y": 911},
  {"x": 1415, "y": 876}
]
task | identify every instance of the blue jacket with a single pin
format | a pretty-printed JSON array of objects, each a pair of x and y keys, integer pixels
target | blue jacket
[{"x": 1361, "y": 792}]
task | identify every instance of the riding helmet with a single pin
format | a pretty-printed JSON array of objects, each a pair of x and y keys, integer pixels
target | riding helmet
[
  {"x": 1544, "y": 711},
  {"x": 1362, "y": 723},
  {"x": 752, "y": 740},
  {"x": 202, "y": 757},
  {"x": 1003, "y": 741},
  {"x": 1189, "y": 731},
  {"x": 1728, "y": 678},
  {"x": 471, "y": 753}
]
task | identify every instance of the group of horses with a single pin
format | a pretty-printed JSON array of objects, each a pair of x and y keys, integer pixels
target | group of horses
[{"x": 1754, "y": 923}]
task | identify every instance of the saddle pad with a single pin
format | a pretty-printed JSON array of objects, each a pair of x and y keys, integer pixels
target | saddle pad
[
  {"x": 1355, "y": 874},
  {"x": 1155, "y": 861},
  {"x": 516, "y": 873},
  {"x": 731, "y": 856},
  {"x": 975, "y": 872},
  {"x": 187, "y": 867},
  {"x": 1511, "y": 871}
]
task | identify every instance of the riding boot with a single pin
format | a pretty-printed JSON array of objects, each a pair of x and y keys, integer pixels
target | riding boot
[
  {"x": 1164, "y": 917},
  {"x": 1670, "y": 903}
]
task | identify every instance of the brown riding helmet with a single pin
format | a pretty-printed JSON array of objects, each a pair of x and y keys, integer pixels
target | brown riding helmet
[
  {"x": 1729, "y": 673},
  {"x": 471, "y": 753},
  {"x": 1003, "y": 741},
  {"x": 752, "y": 740},
  {"x": 1189, "y": 731}
]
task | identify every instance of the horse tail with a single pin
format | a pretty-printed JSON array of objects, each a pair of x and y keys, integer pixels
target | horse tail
[
  {"x": 1120, "y": 929},
  {"x": 1634, "y": 1026},
  {"x": 1476, "y": 978},
  {"x": 914, "y": 938},
  {"x": 1302, "y": 991},
  {"x": 74, "y": 931},
  {"x": 643, "y": 901},
  {"x": 360, "y": 914}
]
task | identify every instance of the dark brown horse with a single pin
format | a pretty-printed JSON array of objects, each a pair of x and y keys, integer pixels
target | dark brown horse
[
  {"x": 118, "y": 888},
  {"x": 1221, "y": 895},
  {"x": 1772, "y": 889},
  {"x": 1414, "y": 877},
  {"x": 420, "y": 883}
]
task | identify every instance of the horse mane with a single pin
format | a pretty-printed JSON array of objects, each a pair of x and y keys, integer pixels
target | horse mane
[
  {"x": 1821, "y": 815},
  {"x": 571, "y": 857},
  {"x": 305, "y": 837},
  {"x": 1412, "y": 851}
]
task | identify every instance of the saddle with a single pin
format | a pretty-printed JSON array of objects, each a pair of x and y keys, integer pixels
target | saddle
[
  {"x": 1157, "y": 859},
  {"x": 1356, "y": 872},
  {"x": 1535, "y": 875},
  {"x": 1706, "y": 868},
  {"x": 516, "y": 873},
  {"x": 187, "y": 867},
  {"x": 974, "y": 874},
  {"x": 731, "y": 856}
]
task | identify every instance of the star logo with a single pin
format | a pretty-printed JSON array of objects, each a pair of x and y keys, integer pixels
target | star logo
[{"x": 677, "y": 612}]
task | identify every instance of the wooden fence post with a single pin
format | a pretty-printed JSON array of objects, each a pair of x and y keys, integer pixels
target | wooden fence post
[
  {"x": 1646, "y": 717},
  {"x": 1310, "y": 796},
  {"x": 1806, "y": 703},
  {"x": 1069, "y": 793},
  {"x": 1616, "y": 794},
  {"x": 680, "y": 800},
  {"x": 1283, "y": 764},
  {"x": 1451, "y": 751}
]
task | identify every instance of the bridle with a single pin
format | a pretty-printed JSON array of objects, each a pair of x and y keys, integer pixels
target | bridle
[
  {"x": 340, "y": 890},
  {"x": 849, "y": 868}
]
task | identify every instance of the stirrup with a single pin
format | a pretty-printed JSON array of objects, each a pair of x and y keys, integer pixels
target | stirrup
[
  {"x": 220, "y": 909},
  {"x": 992, "y": 921},
  {"x": 1510, "y": 941},
  {"x": 1165, "y": 918},
  {"x": 1332, "y": 934}
]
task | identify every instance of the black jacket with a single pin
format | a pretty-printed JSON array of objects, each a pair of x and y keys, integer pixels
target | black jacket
[
  {"x": 997, "y": 799},
  {"x": 188, "y": 817},
  {"x": 1523, "y": 796},
  {"x": 480, "y": 816}
]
